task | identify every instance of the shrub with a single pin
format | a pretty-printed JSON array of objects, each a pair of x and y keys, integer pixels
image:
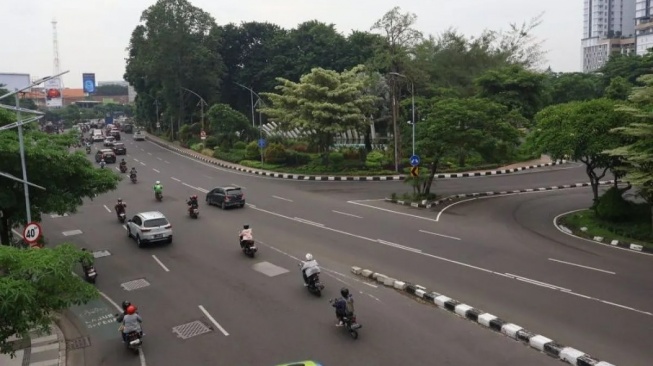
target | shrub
[
  {"x": 351, "y": 153},
  {"x": 240, "y": 145},
  {"x": 611, "y": 206},
  {"x": 275, "y": 154},
  {"x": 211, "y": 142},
  {"x": 294, "y": 158},
  {"x": 252, "y": 151},
  {"x": 300, "y": 147},
  {"x": 197, "y": 147},
  {"x": 233, "y": 156},
  {"x": 207, "y": 152},
  {"x": 336, "y": 158},
  {"x": 375, "y": 159}
]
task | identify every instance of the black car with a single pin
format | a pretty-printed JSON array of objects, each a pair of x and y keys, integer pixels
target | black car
[
  {"x": 119, "y": 148},
  {"x": 107, "y": 154},
  {"x": 226, "y": 197},
  {"x": 115, "y": 134}
]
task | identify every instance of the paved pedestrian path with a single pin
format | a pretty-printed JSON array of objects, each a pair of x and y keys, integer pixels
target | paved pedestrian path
[{"x": 38, "y": 350}]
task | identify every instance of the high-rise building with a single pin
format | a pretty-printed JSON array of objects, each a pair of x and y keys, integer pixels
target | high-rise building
[
  {"x": 608, "y": 27},
  {"x": 644, "y": 26}
]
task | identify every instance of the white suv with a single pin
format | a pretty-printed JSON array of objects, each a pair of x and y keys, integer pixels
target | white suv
[{"x": 148, "y": 227}]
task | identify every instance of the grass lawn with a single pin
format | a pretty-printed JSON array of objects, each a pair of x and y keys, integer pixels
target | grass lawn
[{"x": 624, "y": 232}]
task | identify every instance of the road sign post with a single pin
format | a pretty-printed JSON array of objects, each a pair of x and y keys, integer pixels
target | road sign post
[
  {"x": 261, "y": 144},
  {"x": 414, "y": 172},
  {"x": 32, "y": 233},
  {"x": 414, "y": 160},
  {"x": 203, "y": 135}
]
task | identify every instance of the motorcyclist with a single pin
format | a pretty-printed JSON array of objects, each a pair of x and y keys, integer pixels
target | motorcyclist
[
  {"x": 131, "y": 322},
  {"x": 309, "y": 265},
  {"x": 192, "y": 202},
  {"x": 123, "y": 165},
  {"x": 132, "y": 173},
  {"x": 246, "y": 235},
  {"x": 158, "y": 188},
  {"x": 120, "y": 207},
  {"x": 344, "y": 306},
  {"x": 86, "y": 261},
  {"x": 102, "y": 163}
]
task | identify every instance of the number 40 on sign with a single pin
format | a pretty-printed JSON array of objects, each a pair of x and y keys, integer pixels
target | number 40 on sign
[{"x": 32, "y": 232}]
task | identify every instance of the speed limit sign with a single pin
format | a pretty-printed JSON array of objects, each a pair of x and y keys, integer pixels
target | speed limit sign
[
  {"x": 203, "y": 135},
  {"x": 32, "y": 232}
]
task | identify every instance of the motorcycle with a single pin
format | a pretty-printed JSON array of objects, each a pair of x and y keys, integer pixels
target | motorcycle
[
  {"x": 349, "y": 323},
  {"x": 194, "y": 211},
  {"x": 248, "y": 247},
  {"x": 314, "y": 285},
  {"x": 121, "y": 217},
  {"x": 123, "y": 169},
  {"x": 134, "y": 339},
  {"x": 88, "y": 150},
  {"x": 102, "y": 164},
  {"x": 90, "y": 274},
  {"x": 158, "y": 196},
  {"x": 133, "y": 178}
]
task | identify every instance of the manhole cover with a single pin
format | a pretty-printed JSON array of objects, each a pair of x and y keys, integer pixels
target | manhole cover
[
  {"x": 78, "y": 343},
  {"x": 269, "y": 269},
  {"x": 191, "y": 329},
  {"x": 101, "y": 253},
  {"x": 135, "y": 284}
]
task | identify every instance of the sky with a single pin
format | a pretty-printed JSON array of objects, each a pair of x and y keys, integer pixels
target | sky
[{"x": 93, "y": 34}]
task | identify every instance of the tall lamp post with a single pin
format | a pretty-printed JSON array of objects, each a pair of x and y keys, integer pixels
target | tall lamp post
[
  {"x": 252, "y": 93},
  {"x": 412, "y": 93},
  {"x": 202, "y": 102},
  {"x": 19, "y": 123}
]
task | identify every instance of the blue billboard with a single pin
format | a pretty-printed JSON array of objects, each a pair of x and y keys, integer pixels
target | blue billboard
[{"x": 88, "y": 81}]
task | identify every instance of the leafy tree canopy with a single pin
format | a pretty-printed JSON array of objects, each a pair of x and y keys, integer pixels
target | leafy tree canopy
[
  {"x": 229, "y": 125},
  {"x": 36, "y": 283},
  {"x": 568, "y": 87}
]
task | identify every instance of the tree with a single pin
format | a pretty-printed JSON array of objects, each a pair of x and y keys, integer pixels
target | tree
[
  {"x": 111, "y": 90},
  {"x": 630, "y": 67},
  {"x": 581, "y": 131},
  {"x": 460, "y": 126},
  {"x": 565, "y": 87},
  {"x": 619, "y": 89},
  {"x": 67, "y": 178},
  {"x": 323, "y": 101},
  {"x": 36, "y": 283},
  {"x": 515, "y": 87},
  {"x": 229, "y": 125}
]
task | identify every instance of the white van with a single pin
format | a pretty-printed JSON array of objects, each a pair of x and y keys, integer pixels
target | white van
[{"x": 97, "y": 136}]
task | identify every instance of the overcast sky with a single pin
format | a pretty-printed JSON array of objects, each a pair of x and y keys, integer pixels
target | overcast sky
[{"x": 93, "y": 34}]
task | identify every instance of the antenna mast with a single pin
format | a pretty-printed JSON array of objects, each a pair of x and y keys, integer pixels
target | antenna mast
[{"x": 55, "y": 49}]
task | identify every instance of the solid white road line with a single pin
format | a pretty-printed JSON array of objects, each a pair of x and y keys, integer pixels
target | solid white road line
[
  {"x": 160, "y": 263},
  {"x": 175, "y": 179},
  {"x": 281, "y": 198},
  {"x": 581, "y": 266},
  {"x": 156, "y": 170},
  {"x": 309, "y": 222},
  {"x": 107, "y": 208},
  {"x": 537, "y": 283},
  {"x": 141, "y": 354},
  {"x": 391, "y": 211},
  {"x": 217, "y": 325},
  {"x": 346, "y": 214},
  {"x": 442, "y": 235}
]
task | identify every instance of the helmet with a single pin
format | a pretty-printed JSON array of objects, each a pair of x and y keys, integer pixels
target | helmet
[
  {"x": 126, "y": 304},
  {"x": 245, "y": 227},
  {"x": 194, "y": 196},
  {"x": 119, "y": 199},
  {"x": 158, "y": 182},
  {"x": 309, "y": 256},
  {"x": 131, "y": 309},
  {"x": 344, "y": 292}
]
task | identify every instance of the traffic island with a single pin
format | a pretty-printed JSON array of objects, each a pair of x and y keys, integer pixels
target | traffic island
[{"x": 587, "y": 225}]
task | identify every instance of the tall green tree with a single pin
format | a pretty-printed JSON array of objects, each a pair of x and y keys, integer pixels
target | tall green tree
[
  {"x": 565, "y": 87},
  {"x": 175, "y": 47},
  {"x": 34, "y": 285},
  {"x": 67, "y": 178},
  {"x": 323, "y": 101},
  {"x": 457, "y": 127},
  {"x": 619, "y": 89},
  {"x": 581, "y": 131},
  {"x": 229, "y": 125},
  {"x": 630, "y": 67}
]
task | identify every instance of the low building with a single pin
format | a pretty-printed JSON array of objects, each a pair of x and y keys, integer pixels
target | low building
[{"x": 597, "y": 51}]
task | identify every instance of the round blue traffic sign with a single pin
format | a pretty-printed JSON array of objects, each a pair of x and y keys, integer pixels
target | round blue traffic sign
[
  {"x": 261, "y": 143},
  {"x": 414, "y": 160}
]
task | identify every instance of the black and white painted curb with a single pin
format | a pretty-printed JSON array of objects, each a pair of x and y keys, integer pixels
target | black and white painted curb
[
  {"x": 602, "y": 240},
  {"x": 514, "y": 331},
  {"x": 427, "y": 204},
  {"x": 226, "y": 165}
]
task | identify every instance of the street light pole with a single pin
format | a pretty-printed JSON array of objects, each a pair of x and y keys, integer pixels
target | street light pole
[
  {"x": 21, "y": 144},
  {"x": 201, "y": 101},
  {"x": 252, "y": 93},
  {"x": 412, "y": 93}
]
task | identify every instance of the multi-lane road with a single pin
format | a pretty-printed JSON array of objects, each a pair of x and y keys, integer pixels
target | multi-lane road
[{"x": 502, "y": 255}]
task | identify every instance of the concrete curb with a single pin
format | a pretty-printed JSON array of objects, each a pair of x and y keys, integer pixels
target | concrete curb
[
  {"x": 62, "y": 344},
  {"x": 541, "y": 343},
  {"x": 340, "y": 178},
  {"x": 601, "y": 240},
  {"x": 426, "y": 204}
]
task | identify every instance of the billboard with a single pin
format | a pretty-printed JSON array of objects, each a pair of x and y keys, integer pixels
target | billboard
[
  {"x": 12, "y": 82},
  {"x": 53, "y": 96},
  {"x": 88, "y": 80}
]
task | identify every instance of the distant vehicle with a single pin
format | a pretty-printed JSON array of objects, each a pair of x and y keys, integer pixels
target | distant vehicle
[
  {"x": 139, "y": 136},
  {"x": 115, "y": 134},
  {"x": 107, "y": 154},
  {"x": 119, "y": 148},
  {"x": 301, "y": 363},
  {"x": 226, "y": 197},
  {"x": 148, "y": 227},
  {"x": 109, "y": 141},
  {"x": 128, "y": 128},
  {"x": 97, "y": 135}
]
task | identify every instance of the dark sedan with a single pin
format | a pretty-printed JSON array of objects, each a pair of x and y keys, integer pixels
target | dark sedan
[
  {"x": 119, "y": 148},
  {"x": 226, "y": 197}
]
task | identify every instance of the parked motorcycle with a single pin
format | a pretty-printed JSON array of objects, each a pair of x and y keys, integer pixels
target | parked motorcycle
[
  {"x": 158, "y": 196},
  {"x": 133, "y": 178},
  {"x": 248, "y": 247},
  {"x": 314, "y": 285},
  {"x": 349, "y": 323},
  {"x": 90, "y": 274}
]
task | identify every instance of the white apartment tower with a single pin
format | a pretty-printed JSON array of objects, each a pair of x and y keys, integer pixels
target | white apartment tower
[
  {"x": 608, "y": 27},
  {"x": 644, "y": 26}
]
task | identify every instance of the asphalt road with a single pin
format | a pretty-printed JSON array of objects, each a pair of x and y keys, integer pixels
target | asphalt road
[
  {"x": 454, "y": 253},
  {"x": 259, "y": 319}
]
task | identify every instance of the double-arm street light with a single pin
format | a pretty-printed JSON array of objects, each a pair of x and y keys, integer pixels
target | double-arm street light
[
  {"x": 202, "y": 102},
  {"x": 260, "y": 101},
  {"x": 412, "y": 93},
  {"x": 21, "y": 143}
]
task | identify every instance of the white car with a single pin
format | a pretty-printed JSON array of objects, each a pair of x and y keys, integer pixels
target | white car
[
  {"x": 139, "y": 136},
  {"x": 149, "y": 227}
]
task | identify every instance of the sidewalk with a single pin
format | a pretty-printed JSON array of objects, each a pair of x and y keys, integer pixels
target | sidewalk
[{"x": 38, "y": 350}]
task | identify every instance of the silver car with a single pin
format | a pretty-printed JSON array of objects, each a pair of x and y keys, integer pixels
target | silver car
[
  {"x": 149, "y": 227},
  {"x": 139, "y": 136}
]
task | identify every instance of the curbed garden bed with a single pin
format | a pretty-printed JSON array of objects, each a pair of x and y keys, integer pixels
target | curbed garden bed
[{"x": 587, "y": 224}]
